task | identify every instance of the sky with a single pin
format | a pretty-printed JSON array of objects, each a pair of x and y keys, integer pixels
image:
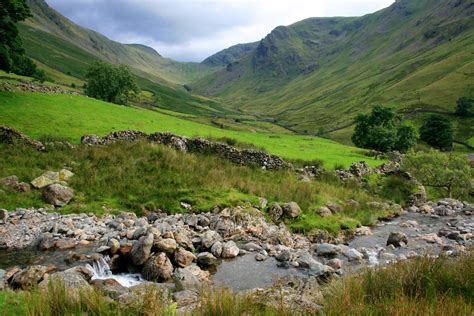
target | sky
[{"x": 191, "y": 30}]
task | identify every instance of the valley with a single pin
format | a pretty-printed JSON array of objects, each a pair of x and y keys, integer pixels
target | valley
[{"x": 325, "y": 169}]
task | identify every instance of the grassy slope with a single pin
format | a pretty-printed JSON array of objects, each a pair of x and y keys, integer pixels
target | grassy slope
[
  {"x": 382, "y": 58},
  {"x": 70, "y": 117}
]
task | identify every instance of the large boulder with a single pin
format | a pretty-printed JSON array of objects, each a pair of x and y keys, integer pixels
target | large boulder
[
  {"x": 206, "y": 259},
  {"x": 397, "y": 239},
  {"x": 74, "y": 279},
  {"x": 209, "y": 238},
  {"x": 185, "y": 280},
  {"x": 314, "y": 267},
  {"x": 230, "y": 250},
  {"x": 291, "y": 209},
  {"x": 275, "y": 211},
  {"x": 216, "y": 249},
  {"x": 183, "y": 258},
  {"x": 58, "y": 194},
  {"x": 141, "y": 250},
  {"x": 29, "y": 277},
  {"x": 328, "y": 250},
  {"x": 158, "y": 268},
  {"x": 46, "y": 179},
  {"x": 167, "y": 245}
]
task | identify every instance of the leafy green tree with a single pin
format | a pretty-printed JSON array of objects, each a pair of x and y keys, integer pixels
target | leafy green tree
[
  {"x": 449, "y": 172},
  {"x": 11, "y": 12},
  {"x": 382, "y": 130},
  {"x": 438, "y": 132},
  {"x": 465, "y": 106},
  {"x": 110, "y": 83}
]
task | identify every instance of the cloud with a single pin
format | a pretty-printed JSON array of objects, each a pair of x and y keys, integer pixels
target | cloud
[{"x": 191, "y": 30}]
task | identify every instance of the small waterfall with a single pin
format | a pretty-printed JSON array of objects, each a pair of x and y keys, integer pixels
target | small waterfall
[
  {"x": 372, "y": 257},
  {"x": 101, "y": 271}
]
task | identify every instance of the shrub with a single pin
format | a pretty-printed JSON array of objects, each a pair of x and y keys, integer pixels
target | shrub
[
  {"x": 437, "y": 131},
  {"x": 465, "y": 106}
]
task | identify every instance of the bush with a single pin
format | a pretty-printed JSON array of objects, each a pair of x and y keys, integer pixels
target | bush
[
  {"x": 438, "y": 132},
  {"x": 465, "y": 106},
  {"x": 382, "y": 131},
  {"x": 109, "y": 83}
]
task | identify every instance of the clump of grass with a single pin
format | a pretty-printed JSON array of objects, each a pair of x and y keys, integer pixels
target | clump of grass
[
  {"x": 422, "y": 286},
  {"x": 215, "y": 302},
  {"x": 59, "y": 300}
]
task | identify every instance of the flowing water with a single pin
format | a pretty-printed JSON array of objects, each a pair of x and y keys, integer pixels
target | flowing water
[{"x": 101, "y": 271}]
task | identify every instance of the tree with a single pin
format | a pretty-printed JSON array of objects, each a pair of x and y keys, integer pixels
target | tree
[
  {"x": 109, "y": 83},
  {"x": 437, "y": 131},
  {"x": 382, "y": 130},
  {"x": 11, "y": 12},
  {"x": 465, "y": 106},
  {"x": 435, "y": 169}
]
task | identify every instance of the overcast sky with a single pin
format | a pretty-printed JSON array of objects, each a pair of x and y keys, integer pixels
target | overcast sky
[{"x": 191, "y": 30}]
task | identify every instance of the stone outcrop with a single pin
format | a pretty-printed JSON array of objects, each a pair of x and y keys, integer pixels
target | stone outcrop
[
  {"x": 245, "y": 157},
  {"x": 13, "y": 137}
]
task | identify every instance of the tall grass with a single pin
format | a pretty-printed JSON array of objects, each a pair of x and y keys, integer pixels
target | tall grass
[
  {"x": 141, "y": 177},
  {"x": 423, "y": 286}
]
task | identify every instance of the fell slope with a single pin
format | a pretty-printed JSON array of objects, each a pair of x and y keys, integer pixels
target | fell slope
[
  {"x": 139, "y": 57},
  {"x": 317, "y": 74}
]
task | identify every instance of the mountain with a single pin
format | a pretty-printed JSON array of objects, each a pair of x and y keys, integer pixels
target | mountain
[
  {"x": 317, "y": 74},
  {"x": 139, "y": 57},
  {"x": 65, "y": 50},
  {"x": 230, "y": 55}
]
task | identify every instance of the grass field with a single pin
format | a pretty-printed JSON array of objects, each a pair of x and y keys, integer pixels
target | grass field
[{"x": 69, "y": 117}]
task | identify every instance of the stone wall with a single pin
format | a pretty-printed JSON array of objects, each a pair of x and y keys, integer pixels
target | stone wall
[
  {"x": 194, "y": 145},
  {"x": 28, "y": 86},
  {"x": 11, "y": 136}
]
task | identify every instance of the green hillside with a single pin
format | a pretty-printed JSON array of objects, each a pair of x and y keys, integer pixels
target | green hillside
[
  {"x": 319, "y": 73},
  {"x": 143, "y": 59},
  {"x": 69, "y": 117}
]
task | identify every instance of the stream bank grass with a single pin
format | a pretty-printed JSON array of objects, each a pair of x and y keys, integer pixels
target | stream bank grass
[
  {"x": 142, "y": 177},
  {"x": 422, "y": 286}
]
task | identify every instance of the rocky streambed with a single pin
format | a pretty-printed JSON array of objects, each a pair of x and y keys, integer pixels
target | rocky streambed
[{"x": 233, "y": 247}]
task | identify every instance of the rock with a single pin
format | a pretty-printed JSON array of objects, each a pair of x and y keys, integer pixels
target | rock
[
  {"x": 58, "y": 195},
  {"x": 183, "y": 240},
  {"x": 167, "y": 245},
  {"x": 291, "y": 209},
  {"x": 114, "y": 246},
  {"x": 314, "y": 267},
  {"x": 427, "y": 209},
  {"x": 443, "y": 210},
  {"x": 335, "y": 208},
  {"x": 183, "y": 258},
  {"x": 141, "y": 250},
  {"x": 283, "y": 256},
  {"x": 185, "y": 298},
  {"x": 335, "y": 263},
  {"x": 74, "y": 280},
  {"x": 23, "y": 187},
  {"x": 260, "y": 257},
  {"x": 185, "y": 280},
  {"x": 431, "y": 238},
  {"x": 3, "y": 215},
  {"x": 29, "y": 277},
  {"x": 397, "y": 239},
  {"x": 216, "y": 249},
  {"x": 262, "y": 203},
  {"x": 11, "y": 273},
  {"x": 353, "y": 204},
  {"x": 324, "y": 211},
  {"x": 251, "y": 246},
  {"x": 206, "y": 259},
  {"x": 209, "y": 238},
  {"x": 65, "y": 175},
  {"x": 353, "y": 255},
  {"x": 10, "y": 181},
  {"x": 158, "y": 268},
  {"x": 230, "y": 250},
  {"x": 46, "y": 179},
  {"x": 65, "y": 243},
  {"x": 45, "y": 241},
  {"x": 363, "y": 231},
  {"x": 409, "y": 224},
  {"x": 275, "y": 211},
  {"x": 326, "y": 249},
  {"x": 110, "y": 287}
]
